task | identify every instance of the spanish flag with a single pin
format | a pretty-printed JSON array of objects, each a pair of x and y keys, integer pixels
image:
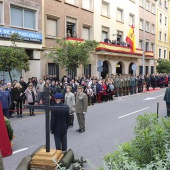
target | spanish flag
[{"x": 131, "y": 39}]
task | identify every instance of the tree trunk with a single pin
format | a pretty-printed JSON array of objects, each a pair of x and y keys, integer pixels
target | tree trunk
[{"x": 10, "y": 75}]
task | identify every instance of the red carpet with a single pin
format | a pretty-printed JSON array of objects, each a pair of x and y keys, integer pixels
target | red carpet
[
  {"x": 5, "y": 144},
  {"x": 151, "y": 90}
]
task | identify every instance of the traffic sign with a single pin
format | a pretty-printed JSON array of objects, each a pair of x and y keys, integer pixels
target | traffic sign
[
  {"x": 100, "y": 63},
  {"x": 134, "y": 67}
]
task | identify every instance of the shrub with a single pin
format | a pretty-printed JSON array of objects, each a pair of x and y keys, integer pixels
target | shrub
[{"x": 149, "y": 150}]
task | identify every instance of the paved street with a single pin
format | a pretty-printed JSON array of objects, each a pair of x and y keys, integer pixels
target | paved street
[{"x": 106, "y": 124}]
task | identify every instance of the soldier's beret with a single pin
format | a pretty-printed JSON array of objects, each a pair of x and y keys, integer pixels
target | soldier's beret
[{"x": 58, "y": 96}]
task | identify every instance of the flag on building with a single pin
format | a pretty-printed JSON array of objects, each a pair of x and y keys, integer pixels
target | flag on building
[{"x": 130, "y": 39}]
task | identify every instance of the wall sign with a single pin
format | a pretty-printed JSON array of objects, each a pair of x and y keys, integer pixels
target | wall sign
[{"x": 25, "y": 35}]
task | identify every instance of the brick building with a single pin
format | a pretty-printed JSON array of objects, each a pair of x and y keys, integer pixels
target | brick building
[
  {"x": 25, "y": 18},
  {"x": 61, "y": 17}
]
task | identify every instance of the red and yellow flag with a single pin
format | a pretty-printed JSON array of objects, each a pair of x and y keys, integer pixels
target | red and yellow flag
[{"x": 131, "y": 39}]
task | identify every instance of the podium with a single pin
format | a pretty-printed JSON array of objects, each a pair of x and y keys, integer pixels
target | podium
[{"x": 5, "y": 144}]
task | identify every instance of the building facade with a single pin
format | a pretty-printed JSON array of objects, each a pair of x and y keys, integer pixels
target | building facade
[
  {"x": 147, "y": 31},
  {"x": 24, "y": 18},
  {"x": 63, "y": 17},
  {"x": 162, "y": 30},
  {"x": 113, "y": 19}
]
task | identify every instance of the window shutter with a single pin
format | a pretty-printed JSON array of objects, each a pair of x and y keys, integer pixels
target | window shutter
[
  {"x": 29, "y": 19},
  {"x": 0, "y": 12},
  {"x": 16, "y": 17},
  {"x": 104, "y": 9},
  {"x": 86, "y": 33},
  {"x": 86, "y": 4},
  {"x": 51, "y": 28},
  {"x": 119, "y": 15}
]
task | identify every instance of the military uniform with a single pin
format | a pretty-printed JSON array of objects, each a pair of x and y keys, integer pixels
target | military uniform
[
  {"x": 167, "y": 99},
  {"x": 121, "y": 86},
  {"x": 81, "y": 109},
  {"x": 117, "y": 84}
]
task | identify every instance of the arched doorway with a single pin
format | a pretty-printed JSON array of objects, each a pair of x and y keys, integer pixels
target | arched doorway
[
  {"x": 130, "y": 68},
  {"x": 120, "y": 68},
  {"x": 105, "y": 69}
]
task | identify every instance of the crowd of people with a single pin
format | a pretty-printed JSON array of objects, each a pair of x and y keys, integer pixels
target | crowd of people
[
  {"x": 14, "y": 95},
  {"x": 116, "y": 42}
]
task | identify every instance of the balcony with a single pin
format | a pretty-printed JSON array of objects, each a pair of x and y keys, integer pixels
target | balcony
[{"x": 111, "y": 49}]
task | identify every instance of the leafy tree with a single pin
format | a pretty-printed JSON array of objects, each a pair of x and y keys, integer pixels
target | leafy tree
[
  {"x": 72, "y": 54},
  {"x": 163, "y": 66},
  {"x": 13, "y": 57}
]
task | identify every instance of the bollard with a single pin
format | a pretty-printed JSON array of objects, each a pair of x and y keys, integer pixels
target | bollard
[{"x": 157, "y": 110}]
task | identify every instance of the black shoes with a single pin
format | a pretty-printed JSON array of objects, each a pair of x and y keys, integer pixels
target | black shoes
[
  {"x": 82, "y": 130},
  {"x": 78, "y": 130}
]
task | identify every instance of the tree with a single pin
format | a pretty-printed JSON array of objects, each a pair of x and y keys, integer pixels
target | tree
[
  {"x": 163, "y": 66},
  {"x": 13, "y": 57},
  {"x": 72, "y": 54}
]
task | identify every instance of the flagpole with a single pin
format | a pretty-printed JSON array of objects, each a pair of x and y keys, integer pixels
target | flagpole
[{"x": 144, "y": 27}]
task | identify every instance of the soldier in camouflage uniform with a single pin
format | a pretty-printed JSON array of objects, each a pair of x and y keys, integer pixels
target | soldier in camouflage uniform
[
  {"x": 128, "y": 83},
  {"x": 117, "y": 84}
]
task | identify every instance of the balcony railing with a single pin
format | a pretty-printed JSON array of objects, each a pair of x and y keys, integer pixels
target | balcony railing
[{"x": 106, "y": 47}]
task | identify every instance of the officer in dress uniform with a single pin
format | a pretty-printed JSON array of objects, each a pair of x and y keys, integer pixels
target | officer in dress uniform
[
  {"x": 167, "y": 99},
  {"x": 81, "y": 108},
  {"x": 5, "y": 100},
  {"x": 60, "y": 123}
]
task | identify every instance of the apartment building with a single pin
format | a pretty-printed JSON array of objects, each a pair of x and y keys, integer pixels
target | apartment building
[
  {"x": 147, "y": 31},
  {"x": 112, "y": 20},
  {"x": 24, "y": 18},
  {"x": 60, "y": 18},
  {"x": 162, "y": 32}
]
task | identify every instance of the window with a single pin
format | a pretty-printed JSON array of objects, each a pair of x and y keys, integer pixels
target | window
[
  {"x": 164, "y": 53},
  {"x": 23, "y": 18},
  {"x": 147, "y": 46},
  {"x": 160, "y": 18},
  {"x": 160, "y": 53},
  {"x": 160, "y": 2},
  {"x": 120, "y": 15},
  {"x": 165, "y": 37},
  {"x": 71, "y": 25},
  {"x": 147, "y": 26},
  {"x": 51, "y": 28},
  {"x": 147, "y": 5},
  {"x": 153, "y": 29},
  {"x": 87, "y": 4},
  {"x": 165, "y": 4},
  {"x": 74, "y": 2},
  {"x": 119, "y": 36},
  {"x": 105, "y": 9},
  {"x": 141, "y": 3},
  {"x": 1, "y": 13},
  {"x": 131, "y": 19},
  {"x": 141, "y": 24},
  {"x": 105, "y": 33},
  {"x": 53, "y": 69},
  {"x": 165, "y": 21},
  {"x": 153, "y": 8},
  {"x": 87, "y": 70},
  {"x": 86, "y": 33},
  {"x": 140, "y": 44},
  {"x": 152, "y": 47},
  {"x": 152, "y": 69},
  {"x": 160, "y": 35}
]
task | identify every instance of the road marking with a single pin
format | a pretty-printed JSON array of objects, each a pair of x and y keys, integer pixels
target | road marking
[
  {"x": 152, "y": 98},
  {"x": 133, "y": 112},
  {"x": 20, "y": 150}
]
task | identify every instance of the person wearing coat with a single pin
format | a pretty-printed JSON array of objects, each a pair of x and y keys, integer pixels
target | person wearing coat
[
  {"x": 81, "y": 108},
  {"x": 148, "y": 82},
  {"x": 167, "y": 99},
  {"x": 60, "y": 123},
  {"x": 70, "y": 101},
  {"x": 153, "y": 81},
  {"x": 30, "y": 97},
  {"x": 18, "y": 94},
  {"x": 5, "y": 100}
]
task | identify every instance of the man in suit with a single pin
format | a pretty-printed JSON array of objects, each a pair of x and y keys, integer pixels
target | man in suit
[
  {"x": 81, "y": 108},
  {"x": 74, "y": 87},
  {"x": 60, "y": 123}
]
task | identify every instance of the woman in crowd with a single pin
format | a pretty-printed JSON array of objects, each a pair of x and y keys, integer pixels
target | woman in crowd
[
  {"x": 30, "y": 94},
  {"x": 70, "y": 101},
  {"x": 104, "y": 89},
  {"x": 18, "y": 94}
]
